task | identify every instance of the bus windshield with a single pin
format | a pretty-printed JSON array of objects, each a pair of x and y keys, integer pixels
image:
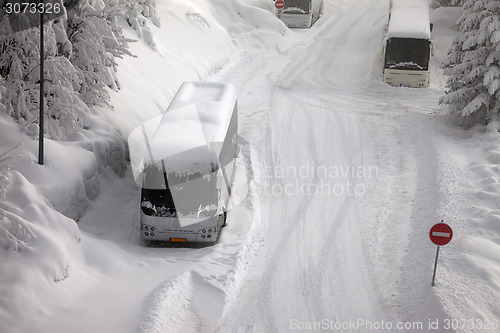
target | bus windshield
[
  {"x": 192, "y": 195},
  {"x": 407, "y": 53},
  {"x": 296, "y": 6}
]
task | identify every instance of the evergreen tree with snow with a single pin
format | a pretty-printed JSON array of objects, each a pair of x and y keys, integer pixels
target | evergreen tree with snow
[
  {"x": 80, "y": 51},
  {"x": 446, "y": 3},
  {"x": 473, "y": 64},
  {"x": 19, "y": 68}
]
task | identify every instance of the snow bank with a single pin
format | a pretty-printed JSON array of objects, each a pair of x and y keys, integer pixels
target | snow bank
[
  {"x": 40, "y": 204},
  {"x": 67, "y": 183},
  {"x": 190, "y": 45},
  {"x": 196, "y": 39},
  {"x": 483, "y": 240},
  {"x": 184, "y": 303},
  {"x": 36, "y": 246},
  {"x": 444, "y": 31}
]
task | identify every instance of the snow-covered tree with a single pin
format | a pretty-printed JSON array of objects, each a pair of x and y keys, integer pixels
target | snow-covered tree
[
  {"x": 446, "y": 3},
  {"x": 96, "y": 39},
  {"x": 19, "y": 66},
  {"x": 80, "y": 52},
  {"x": 138, "y": 12},
  {"x": 473, "y": 64},
  {"x": 5, "y": 171}
]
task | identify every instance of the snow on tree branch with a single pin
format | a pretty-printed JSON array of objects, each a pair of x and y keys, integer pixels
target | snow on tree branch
[
  {"x": 473, "y": 64},
  {"x": 80, "y": 51},
  {"x": 445, "y": 3}
]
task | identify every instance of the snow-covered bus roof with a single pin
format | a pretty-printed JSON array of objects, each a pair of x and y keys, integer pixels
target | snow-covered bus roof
[
  {"x": 409, "y": 19},
  {"x": 190, "y": 134},
  {"x": 214, "y": 102}
]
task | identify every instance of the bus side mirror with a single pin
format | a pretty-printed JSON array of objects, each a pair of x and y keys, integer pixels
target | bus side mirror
[
  {"x": 384, "y": 45},
  {"x": 432, "y": 26}
]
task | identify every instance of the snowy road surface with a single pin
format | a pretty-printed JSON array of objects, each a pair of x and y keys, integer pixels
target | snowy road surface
[
  {"x": 311, "y": 213},
  {"x": 338, "y": 182}
]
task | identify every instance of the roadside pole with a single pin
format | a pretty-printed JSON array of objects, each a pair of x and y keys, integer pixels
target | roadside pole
[{"x": 40, "y": 120}]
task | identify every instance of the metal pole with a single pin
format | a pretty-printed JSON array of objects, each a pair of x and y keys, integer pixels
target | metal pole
[
  {"x": 435, "y": 265},
  {"x": 40, "y": 120}
]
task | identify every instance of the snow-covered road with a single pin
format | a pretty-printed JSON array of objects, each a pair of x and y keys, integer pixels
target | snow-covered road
[
  {"x": 338, "y": 182},
  {"x": 314, "y": 259}
]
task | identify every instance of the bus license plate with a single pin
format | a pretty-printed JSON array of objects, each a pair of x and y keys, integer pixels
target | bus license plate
[{"x": 181, "y": 240}]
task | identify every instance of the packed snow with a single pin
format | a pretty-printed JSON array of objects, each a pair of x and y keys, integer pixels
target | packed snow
[
  {"x": 409, "y": 19},
  {"x": 338, "y": 181}
]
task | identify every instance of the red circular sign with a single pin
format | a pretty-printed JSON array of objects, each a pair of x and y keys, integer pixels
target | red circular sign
[
  {"x": 441, "y": 234},
  {"x": 280, "y": 4}
]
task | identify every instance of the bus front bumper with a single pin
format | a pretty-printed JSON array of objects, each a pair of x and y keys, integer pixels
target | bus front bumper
[
  {"x": 406, "y": 78},
  {"x": 296, "y": 20},
  {"x": 168, "y": 230}
]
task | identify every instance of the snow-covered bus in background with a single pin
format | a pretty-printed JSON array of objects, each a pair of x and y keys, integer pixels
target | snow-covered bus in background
[
  {"x": 188, "y": 168},
  {"x": 408, "y": 44},
  {"x": 300, "y": 13}
]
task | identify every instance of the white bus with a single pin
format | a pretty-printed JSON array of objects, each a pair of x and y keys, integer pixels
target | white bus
[
  {"x": 300, "y": 13},
  {"x": 187, "y": 168},
  {"x": 408, "y": 45}
]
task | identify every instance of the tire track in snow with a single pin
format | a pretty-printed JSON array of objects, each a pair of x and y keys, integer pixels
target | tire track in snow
[
  {"x": 340, "y": 56},
  {"x": 320, "y": 274},
  {"x": 258, "y": 312}
]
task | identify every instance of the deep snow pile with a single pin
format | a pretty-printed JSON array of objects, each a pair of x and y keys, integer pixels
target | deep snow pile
[
  {"x": 40, "y": 204},
  {"x": 195, "y": 40}
]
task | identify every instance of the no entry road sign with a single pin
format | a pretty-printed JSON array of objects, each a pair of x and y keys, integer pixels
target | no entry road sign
[
  {"x": 280, "y": 4},
  {"x": 441, "y": 234}
]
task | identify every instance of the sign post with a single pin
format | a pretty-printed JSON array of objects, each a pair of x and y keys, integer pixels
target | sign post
[{"x": 440, "y": 234}]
